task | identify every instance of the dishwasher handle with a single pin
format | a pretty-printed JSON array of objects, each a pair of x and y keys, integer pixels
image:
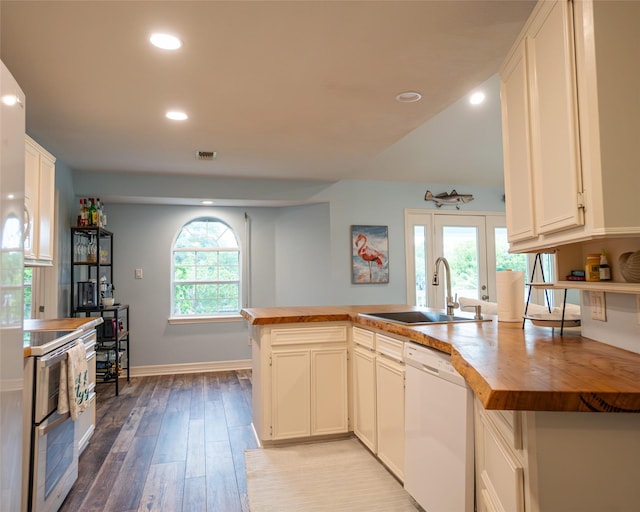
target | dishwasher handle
[{"x": 430, "y": 369}]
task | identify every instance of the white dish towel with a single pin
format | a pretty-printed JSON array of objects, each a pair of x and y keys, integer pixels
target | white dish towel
[{"x": 73, "y": 396}]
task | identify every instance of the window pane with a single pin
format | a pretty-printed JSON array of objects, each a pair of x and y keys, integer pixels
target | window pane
[
  {"x": 28, "y": 280},
  {"x": 206, "y": 274},
  {"x": 420, "y": 260},
  {"x": 461, "y": 250},
  {"x": 504, "y": 260},
  {"x": 207, "y": 257},
  {"x": 184, "y": 257},
  {"x": 229, "y": 258},
  {"x": 184, "y": 273}
]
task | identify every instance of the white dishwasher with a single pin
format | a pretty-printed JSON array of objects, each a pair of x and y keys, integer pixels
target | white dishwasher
[{"x": 439, "y": 453}]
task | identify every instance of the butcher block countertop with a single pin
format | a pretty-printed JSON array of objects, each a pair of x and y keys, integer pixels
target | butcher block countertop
[
  {"x": 507, "y": 367},
  {"x": 59, "y": 324},
  {"x": 62, "y": 324}
]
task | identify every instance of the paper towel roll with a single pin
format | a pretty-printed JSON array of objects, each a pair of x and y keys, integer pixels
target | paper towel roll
[{"x": 510, "y": 295}]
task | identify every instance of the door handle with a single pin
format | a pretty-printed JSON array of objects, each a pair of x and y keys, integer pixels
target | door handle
[{"x": 485, "y": 297}]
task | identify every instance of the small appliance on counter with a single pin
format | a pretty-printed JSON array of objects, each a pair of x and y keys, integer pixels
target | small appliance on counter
[
  {"x": 106, "y": 292},
  {"x": 87, "y": 294}
]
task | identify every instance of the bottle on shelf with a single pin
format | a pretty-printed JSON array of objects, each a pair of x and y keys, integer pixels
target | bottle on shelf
[
  {"x": 84, "y": 214},
  {"x": 592, "y": 267},
  {"x": 605, "y": 269},
  {"x": 79, "y": 221},
  {"x": 93, "y": 213}
]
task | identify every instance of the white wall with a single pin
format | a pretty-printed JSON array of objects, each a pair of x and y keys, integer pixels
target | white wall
[{"x": 622, "y": 328}]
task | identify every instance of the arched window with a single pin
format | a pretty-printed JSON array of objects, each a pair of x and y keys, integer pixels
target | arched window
[{"x": 206, "y": 270}]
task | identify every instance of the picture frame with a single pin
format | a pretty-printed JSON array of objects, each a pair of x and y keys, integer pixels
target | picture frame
[{"x": 369, "y": 254}]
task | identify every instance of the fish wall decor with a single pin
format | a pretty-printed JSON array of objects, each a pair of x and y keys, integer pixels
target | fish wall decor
[{"x": 452, "y": 198}]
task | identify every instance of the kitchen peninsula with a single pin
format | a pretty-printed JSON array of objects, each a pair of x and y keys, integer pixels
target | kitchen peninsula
[{"x": 540, "y": 445}]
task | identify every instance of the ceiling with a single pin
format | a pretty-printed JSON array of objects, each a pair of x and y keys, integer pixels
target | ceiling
[{"x": 279, "y": 89}]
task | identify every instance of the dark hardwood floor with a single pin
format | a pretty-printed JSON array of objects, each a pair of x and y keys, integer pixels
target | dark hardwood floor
[{"x": 168, "y": 443}]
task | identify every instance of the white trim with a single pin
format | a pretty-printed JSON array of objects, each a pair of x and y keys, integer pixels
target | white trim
[
  {"x": 176, "y": 320},
  {"x": 184, "y": 368}
]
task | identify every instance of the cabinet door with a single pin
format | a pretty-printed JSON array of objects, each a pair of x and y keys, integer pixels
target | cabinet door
[
  {"x": 329, "y": 410},
  {"x": 290, "y": 394},
  {"x": 31, "y": 177},
  {"x": 554, "y": 118},
  {"x": 364, "y": 397},
  {"x": 518, "y": 182},
  {"x": 390, "y": 413},
  {"x": 499, "y": 473},
  {"x": 46, "y": 208}
]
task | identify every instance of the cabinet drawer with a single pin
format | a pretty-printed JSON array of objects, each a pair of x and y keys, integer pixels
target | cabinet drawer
[
  {"x": 390, "y": 347},
  {"x": 306, "y": 335},
  {"x": 364, "y": 338},
  {"x": 508, "y": 424}
]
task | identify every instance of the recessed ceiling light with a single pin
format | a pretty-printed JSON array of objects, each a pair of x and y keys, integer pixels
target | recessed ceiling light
[
  {"x": 476, "y": 98},
  {"x": 175, "y": 115},
  {"x": 409, "y": 97},
  {"x": 165, "y": 41},
  {"x": 206, "y": 201}
]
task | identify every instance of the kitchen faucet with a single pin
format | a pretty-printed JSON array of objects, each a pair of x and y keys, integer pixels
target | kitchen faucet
[{"x": 451, "y": 302}]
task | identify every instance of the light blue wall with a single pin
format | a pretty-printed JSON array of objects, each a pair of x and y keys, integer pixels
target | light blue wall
[
  {"x": 300, "y": 255},
  {"x": 302, "y": 247}
]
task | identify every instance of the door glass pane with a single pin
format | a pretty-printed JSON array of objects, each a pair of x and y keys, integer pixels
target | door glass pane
[
  {"x": 504, "y": 260},
  {"x": 460, "y": 247},
  {"x": 420, "y": 262}
]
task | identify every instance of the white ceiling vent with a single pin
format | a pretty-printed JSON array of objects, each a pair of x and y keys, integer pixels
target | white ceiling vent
[{"x": 206, "y": 155}]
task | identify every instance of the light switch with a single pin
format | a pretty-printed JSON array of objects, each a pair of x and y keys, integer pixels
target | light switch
[
  {"x": 598, "y": 306},
  {"x": 138, "y": 273}
]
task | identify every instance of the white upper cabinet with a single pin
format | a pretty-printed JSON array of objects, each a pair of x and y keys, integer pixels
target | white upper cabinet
[
  {"x": 514, "y": 90},
  {"x": 39, "y": 203},
  {"x": 571, "y": 125}
]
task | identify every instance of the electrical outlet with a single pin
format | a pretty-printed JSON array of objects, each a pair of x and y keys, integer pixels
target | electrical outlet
[
  {"x": 598, "y": 306},
  {"x": 138, "y": 273}
]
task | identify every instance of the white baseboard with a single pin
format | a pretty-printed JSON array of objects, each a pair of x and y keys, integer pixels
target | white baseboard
[{"x": 182, "y": 368}]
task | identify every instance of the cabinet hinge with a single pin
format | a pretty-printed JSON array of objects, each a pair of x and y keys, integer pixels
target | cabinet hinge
[
  {"x": 270, "y": 430},
  {"x": 580, "y": 200},
  {"x": 270, "y": 361}
]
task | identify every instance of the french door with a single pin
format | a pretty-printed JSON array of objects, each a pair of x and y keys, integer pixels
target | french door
[
  {"x": 475, "y": 247},
  {"x": 461, "y": 239}
]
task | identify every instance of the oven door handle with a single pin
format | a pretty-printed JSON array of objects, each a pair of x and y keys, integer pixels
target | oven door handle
[
  {"x": 89, "y": 345},
  {"x": 43, "y": 430},
  {"x": 46, "y": 361}
]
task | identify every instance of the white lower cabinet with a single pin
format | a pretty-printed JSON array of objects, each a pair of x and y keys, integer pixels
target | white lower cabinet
[
  {"x": 538, "y": 461},
  {"x": 364, "y": 396},
  {"x": 390, "y": 413},
  {"x": 291, "y": 394},
  {"x": 300, "y": 382},
  {"x": 378, "y": 396},
  {"x": 499, "y": 468}
]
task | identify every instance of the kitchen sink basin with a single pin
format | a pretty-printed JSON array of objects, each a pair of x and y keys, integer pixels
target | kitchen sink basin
[{"x": 420, "y": 317}]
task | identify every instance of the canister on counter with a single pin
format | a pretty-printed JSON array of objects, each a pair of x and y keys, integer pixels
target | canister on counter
[{"x": 592, "y": 267}]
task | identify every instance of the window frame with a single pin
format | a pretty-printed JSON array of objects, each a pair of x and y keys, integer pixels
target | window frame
[{"x": 210, "y": 316}]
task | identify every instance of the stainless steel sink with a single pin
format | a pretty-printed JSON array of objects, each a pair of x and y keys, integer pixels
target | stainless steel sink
[{"x": 420, "y": 317}]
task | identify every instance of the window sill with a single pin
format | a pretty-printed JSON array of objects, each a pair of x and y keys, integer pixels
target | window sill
[{"x": 177, "y": 320}]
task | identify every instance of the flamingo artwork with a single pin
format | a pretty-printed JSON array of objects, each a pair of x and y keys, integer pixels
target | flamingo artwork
[{"x": 366, "y": 253}]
